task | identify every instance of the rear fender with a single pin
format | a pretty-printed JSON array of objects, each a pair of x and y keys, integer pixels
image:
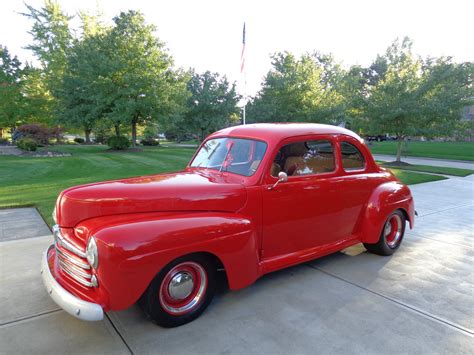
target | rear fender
[
  {"x": 132, "y": 254},
  {"x": 385, "y": 199}
]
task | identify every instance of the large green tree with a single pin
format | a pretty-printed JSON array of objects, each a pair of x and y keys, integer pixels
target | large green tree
[
  {"x": 11, "y": 98},
  {"x": 83, "y": 100},
  {"x": 212, "y": 103},
  {"x": 409, "y": 96},
  {"x": 52, "y": 42},
  {"x": 139, "y": 85},
  {"x": 301, "y": 89}
]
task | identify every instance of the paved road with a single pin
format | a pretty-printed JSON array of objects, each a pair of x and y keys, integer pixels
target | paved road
[
  {"x": 420, "y": 300},
  {"x": 428, "y": 161}
]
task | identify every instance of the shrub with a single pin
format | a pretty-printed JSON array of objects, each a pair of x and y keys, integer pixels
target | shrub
[
  {"x": 38, "y": 133},
  {"x": 118, "y": 143},
  {"x": 3, "y": 141},
  {"x": 79, "y": 140},
  {"x": 28, "y": 144},
  {"x": 150, "y": 142}
]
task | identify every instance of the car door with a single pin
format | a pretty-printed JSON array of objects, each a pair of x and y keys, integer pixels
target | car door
[
  {"x": 302, "y": 212},
  {"x": 357, "y": 182}
]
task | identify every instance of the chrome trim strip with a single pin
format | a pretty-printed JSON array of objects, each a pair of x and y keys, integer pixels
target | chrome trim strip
[
  {"x": 71, "y": 304},
  {"x": 77, "y": 278},
  {"x": 74, "y": 269},
  {"x": 72, "y": 260},
  {"x": 65, "y": 243}
]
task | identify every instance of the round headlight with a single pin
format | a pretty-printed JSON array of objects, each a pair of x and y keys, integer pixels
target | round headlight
[{"x": 92, "y": 253}]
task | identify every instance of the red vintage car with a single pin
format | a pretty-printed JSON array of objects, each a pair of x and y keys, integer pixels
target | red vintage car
[{"x": 253, "y": 199}]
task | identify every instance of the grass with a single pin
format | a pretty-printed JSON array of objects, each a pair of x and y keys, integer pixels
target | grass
[
  {"x": 28, "y": 181},
  {"x": 411, "y": 178},
  {"x": 37, "y": 182},
  {"x": 440, "y": 150},
  {"x": 432, "y": 169}
]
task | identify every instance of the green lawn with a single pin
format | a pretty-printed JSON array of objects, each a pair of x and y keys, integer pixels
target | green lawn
[
  {"x": 38, "y": 181},
  {"x": 432, "y": 169},
  {"x": 441, "y": 150},
  {"x": 411, "y": 178}
]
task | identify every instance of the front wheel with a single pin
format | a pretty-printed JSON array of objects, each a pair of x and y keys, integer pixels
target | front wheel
[
  {"x": 180, "y": 292},
  {"x": 391, "y": 235}
]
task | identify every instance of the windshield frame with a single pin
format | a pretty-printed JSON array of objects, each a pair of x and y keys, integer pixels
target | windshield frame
[{"x": 262, "y": 161}]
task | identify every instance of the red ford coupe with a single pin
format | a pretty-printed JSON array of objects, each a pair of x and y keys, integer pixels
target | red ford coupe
[{"x": 253, "y": 199}]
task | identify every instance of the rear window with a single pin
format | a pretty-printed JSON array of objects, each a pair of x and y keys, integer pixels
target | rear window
[{"x": 352, "y": 158}]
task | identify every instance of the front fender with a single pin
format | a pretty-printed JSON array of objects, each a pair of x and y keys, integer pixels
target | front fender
[
  {"x": 132, "y": 253},
  {"x": 385, "y": 199}
]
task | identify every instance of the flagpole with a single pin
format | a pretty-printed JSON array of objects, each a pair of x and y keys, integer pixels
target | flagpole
[{"x": 243, "y": 71}]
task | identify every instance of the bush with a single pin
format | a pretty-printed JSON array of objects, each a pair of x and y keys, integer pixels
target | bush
[
  {"x": 38, "y": 133},
  {"x": 28, "y": 144},
  {"x": 3, "y": 141},
  {"x": 79, "y": 140},
  {"x": 150, "y": 142},
  {"x": 118, "y": 143}
]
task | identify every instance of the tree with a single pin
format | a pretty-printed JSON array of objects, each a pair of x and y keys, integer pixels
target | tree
[
  {"x": 11, "y": 99},
  {"x": 304, "y": 89},
  {"x": 82, "y": 100},
  {"x": 411, "y": 96},
  {"x": 52, "y": 41},
  {"x": 37, "y": 98},
  {"x": 212, "y": 104},
  {"x": 139, "y": 85}
]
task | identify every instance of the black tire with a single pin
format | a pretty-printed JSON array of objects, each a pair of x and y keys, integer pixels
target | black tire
[
  {"x": 389, "y": 240},
  {"x": 154, "y": 300}
]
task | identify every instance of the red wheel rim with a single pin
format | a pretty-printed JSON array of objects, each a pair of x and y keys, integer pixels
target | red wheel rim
[
  {"x": 393, "y": 231},
  {"x": 183, "y": 288}
]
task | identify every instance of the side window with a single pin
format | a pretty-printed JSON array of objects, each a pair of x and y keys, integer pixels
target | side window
[
  {"x": 304, "y": 158},
  {"x": 352, "y": 158}
]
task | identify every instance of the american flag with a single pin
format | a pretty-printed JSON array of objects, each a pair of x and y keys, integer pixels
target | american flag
[{"x": 242, "y": 56}]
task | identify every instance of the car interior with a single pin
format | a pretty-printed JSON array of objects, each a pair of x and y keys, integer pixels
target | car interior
[
  {"x": 303, "y": 158},
  {"x": 314, "y": 157}
]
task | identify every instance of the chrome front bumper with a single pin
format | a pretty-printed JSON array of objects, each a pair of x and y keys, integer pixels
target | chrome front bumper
[{"x": 71, "y": 304}]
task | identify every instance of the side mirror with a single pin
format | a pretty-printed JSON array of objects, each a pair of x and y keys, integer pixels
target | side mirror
[{"x": 282, "y": 177}]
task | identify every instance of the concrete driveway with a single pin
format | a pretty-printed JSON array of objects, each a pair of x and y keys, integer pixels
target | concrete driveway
[{"x": 420, "y": 300}]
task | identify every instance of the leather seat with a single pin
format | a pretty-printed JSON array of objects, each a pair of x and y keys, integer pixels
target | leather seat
[
  {"x": 352, "y": 162},
  {"x": 275, "y": 169},
  {"x": 295, "y": 160},
  {"x": 308, "y": 162}
]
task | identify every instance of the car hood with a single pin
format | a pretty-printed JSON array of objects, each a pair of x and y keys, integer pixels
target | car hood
[{"x": 183, "y": 191}]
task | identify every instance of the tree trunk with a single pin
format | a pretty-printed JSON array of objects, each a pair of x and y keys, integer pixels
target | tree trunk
[
  {"x": 399, "y": 148},
  {"x": 87, "y": 132},
  {"x": 134, "y": 133},
  {"x": 117, "y": 129}
]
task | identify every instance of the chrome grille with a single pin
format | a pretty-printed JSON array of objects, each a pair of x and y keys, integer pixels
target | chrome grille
[{"x": 72, "y": 260}]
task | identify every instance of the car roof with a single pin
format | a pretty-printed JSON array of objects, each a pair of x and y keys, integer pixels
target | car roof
[{"x": 275, "y": 132}]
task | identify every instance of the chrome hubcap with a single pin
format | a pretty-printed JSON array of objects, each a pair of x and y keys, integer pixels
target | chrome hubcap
[
  {"x": 393, "y": 231},
  {"x": 181, "y": 286}
]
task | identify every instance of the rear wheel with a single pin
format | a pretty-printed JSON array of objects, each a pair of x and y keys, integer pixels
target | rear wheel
[
  {"x": 391, "y": 235},
  {"x": 181, "y": 291}
]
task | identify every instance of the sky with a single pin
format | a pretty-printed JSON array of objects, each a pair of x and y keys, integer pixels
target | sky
[{"x": 207, "y": 34}]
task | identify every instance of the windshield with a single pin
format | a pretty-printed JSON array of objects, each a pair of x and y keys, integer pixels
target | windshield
[{"x": 236, "y": 155}]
